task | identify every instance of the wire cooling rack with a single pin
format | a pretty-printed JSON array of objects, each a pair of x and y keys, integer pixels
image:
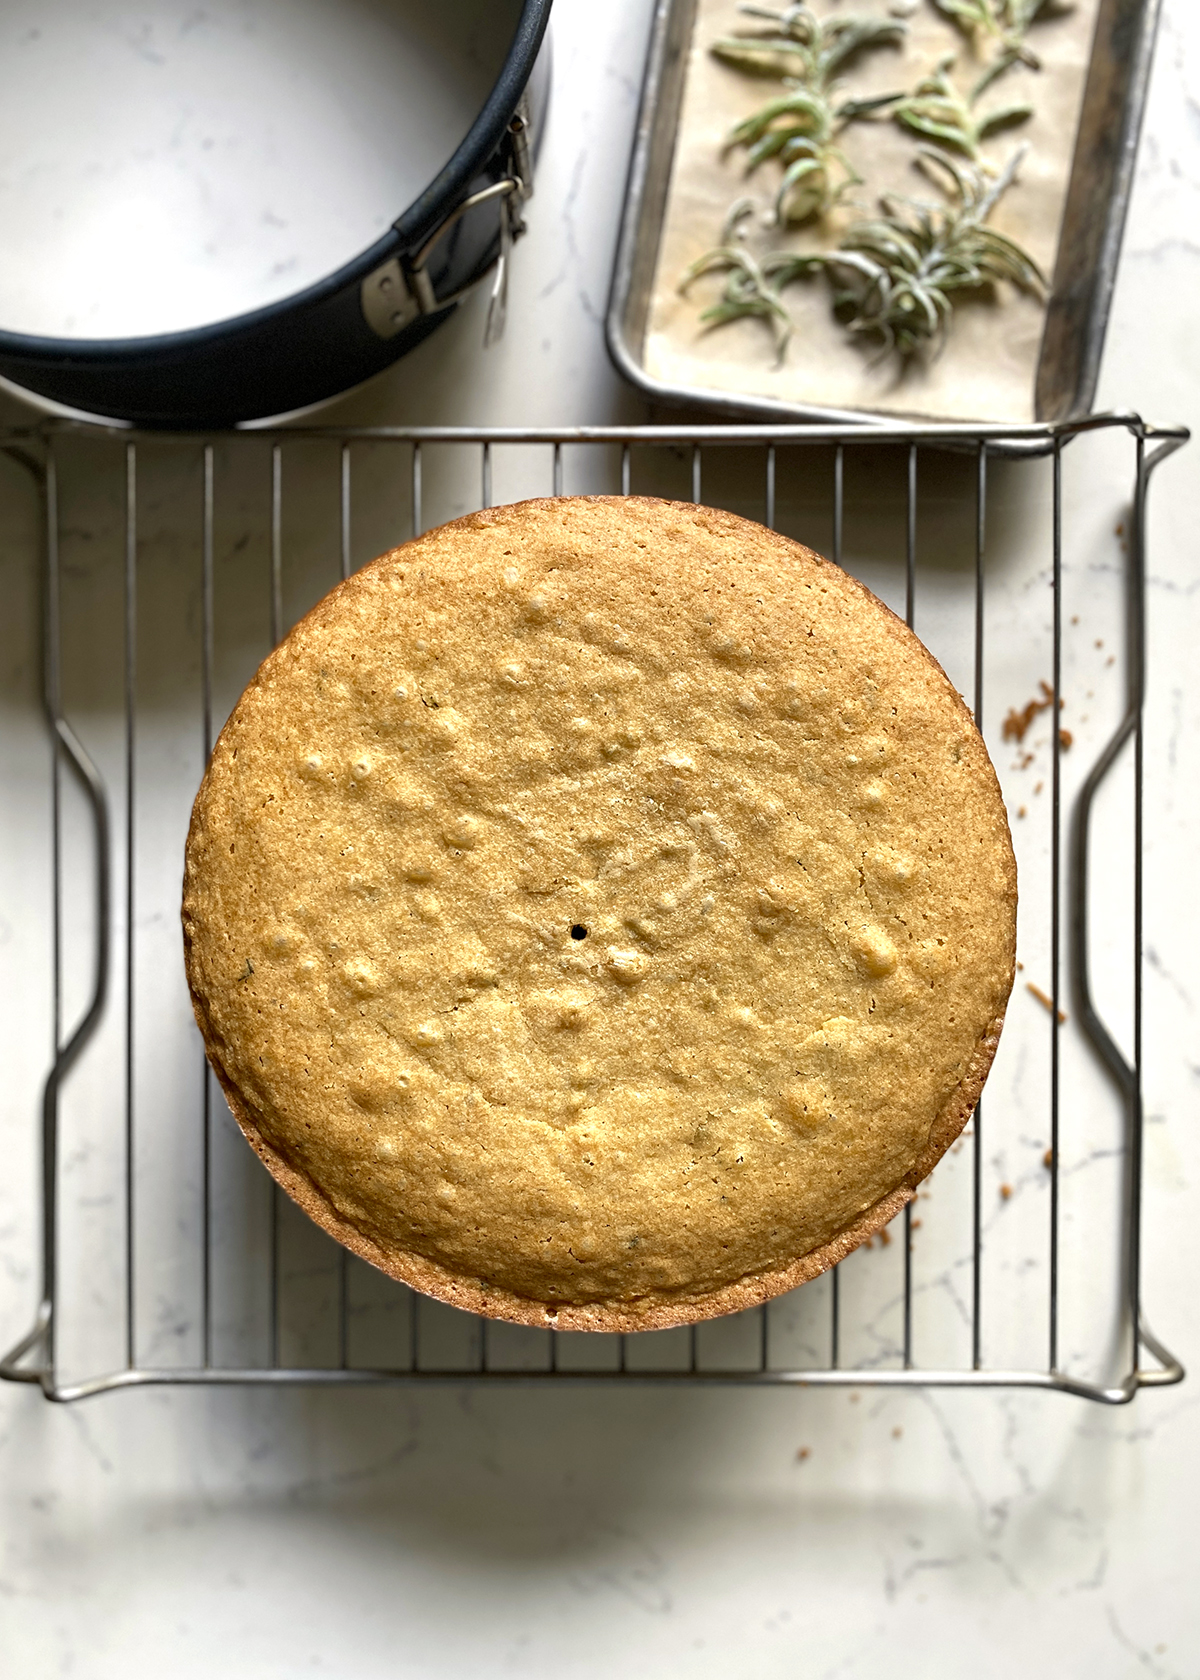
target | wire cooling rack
[{"x": 172, "y": 565}]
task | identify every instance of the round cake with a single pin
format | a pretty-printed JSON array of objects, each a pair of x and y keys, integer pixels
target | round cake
[{"x": 600, "y": 913}]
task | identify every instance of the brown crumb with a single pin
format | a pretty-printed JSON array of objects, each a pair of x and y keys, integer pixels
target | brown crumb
[
  {"x": 1045, "y": 1001},
  {"x": 1021, "y": 811},
  {"x": 885, "y": 1237},
  {"x": 1026, "y": 760},
  {"x": 1048, "y": 1160},
  {"x": 1111, "y": 660},
  {"x": 802, "y": 1453},
  {"x": 854, "y": 1399},
  {"x": 1099, "y": 642},
  {"x": 1005, "y": 1192},
  {"x": 1020, "y": 968},
  {"x": 897, "y": 1432},
  {"x": 1038, "y": 786},
  {"x": 1119, "y": 530},
  {"x": 1017, "y": 722},
  {"x": 1075, "y": 619},
  {"x": 914, "y": 1224},
  {"x": 1065, "y": 739}
]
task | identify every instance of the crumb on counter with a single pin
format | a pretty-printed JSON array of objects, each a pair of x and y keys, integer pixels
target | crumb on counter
[
  {"x": 1017, "y": 722},
  {"x": 1045, "y": 1000}
]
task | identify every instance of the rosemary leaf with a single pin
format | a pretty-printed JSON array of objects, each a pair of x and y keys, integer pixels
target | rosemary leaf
[
  {"x": 782, "y": 267},
  {"x": 1004, "y": 116},
  {"x": 774, "y": 59},
  {"x": 797, "y": 113}
]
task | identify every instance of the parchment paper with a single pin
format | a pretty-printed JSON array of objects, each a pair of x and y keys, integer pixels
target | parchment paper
[{"x": 987, "y": 369}]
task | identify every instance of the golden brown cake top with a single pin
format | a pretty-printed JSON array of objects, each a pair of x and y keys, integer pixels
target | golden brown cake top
[{"x": 600, "y": 905}]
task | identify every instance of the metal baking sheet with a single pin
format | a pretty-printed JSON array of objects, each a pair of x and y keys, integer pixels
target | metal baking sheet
[{"x": 1084, "y": 271}]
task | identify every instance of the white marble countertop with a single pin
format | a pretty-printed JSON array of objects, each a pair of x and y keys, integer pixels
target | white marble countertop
[{"x": 584, "y": 1532}]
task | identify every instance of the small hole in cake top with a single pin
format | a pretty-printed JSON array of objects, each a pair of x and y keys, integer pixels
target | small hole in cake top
[{"x": 578, "y": 931}]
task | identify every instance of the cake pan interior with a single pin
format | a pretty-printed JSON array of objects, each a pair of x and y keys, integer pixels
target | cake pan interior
[
  {"x": 196, "y": 201},
  {"x": 169, "y": 166}
]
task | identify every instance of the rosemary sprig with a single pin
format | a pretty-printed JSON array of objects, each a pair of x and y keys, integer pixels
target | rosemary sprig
[
  {"x": 1007, "y": 22},
  {"x": 751, "y": 289},
  {"x": 800, "y": 127},
  {"x": 937, "y": 111},
  {"x": 902, "y": 267}
]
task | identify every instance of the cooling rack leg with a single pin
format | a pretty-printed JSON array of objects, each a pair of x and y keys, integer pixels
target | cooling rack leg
[
  {"x": 35, "y": 1341},
  {"x": 206, "y": 1118},
  {"x": 977, "y": 1122},
  {"x": 1126, "y": 1077},
  {"x": 1169, "y": 1370},
  {"x": 1055, "y": 900},
  {"x": 67, "y": 749},
  {"x": 131, "y": 687}
]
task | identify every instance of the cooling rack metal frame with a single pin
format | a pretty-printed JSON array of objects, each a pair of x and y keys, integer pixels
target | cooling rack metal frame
[{"x": 33, "y": 1358}]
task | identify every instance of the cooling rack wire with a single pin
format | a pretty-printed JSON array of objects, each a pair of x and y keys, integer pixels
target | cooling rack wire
[{"x": 171, "y": 565}]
